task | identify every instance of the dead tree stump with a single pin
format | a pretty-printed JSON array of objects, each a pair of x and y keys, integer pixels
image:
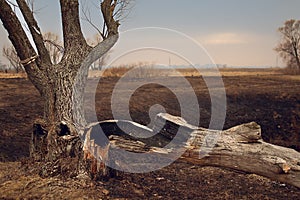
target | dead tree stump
[{"x": 59, "y": 151}]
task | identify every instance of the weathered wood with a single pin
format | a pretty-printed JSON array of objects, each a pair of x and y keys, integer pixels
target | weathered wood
[
  {"x": 242, "y": 148},
  {"x": 247, "y": 153},
  {"x": 239, "y": 148}
]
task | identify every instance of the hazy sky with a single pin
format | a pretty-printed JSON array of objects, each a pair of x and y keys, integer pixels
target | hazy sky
[{"x": 232, "y": 32}]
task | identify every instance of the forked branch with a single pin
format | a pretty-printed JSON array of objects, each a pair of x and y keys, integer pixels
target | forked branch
[{"x": 35, "y": 32}]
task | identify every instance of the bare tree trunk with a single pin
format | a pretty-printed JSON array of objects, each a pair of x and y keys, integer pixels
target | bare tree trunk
[
  {"x": 239, "y": 148},
  {"x": 56, "y": 138},
  {"x": 297, "y": 59}
]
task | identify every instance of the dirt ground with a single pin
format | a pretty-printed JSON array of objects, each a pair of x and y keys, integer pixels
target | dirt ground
[{"x": 270, "y": 99}]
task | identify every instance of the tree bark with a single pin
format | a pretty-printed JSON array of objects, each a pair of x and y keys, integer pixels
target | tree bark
[{"x": 239, "y": 148}]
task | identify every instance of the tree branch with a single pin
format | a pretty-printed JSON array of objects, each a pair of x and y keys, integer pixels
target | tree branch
[
  {"x": 87, "y": 17},
  {"x": 100, "y": 50},
  {"x": 108, "y": 8},
  {"x": 72, "y": 34},
  {"x": 21, "y": 43},
  {"x": 36, "y": 33},
  {"x": 122, "y": 9},
  {"x": 109, "y": 39}
]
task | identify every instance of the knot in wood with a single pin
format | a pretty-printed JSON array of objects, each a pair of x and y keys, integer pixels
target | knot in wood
[{"x": 247, "y": 133}]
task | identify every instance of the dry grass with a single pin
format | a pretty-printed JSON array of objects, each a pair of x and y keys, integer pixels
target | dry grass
[
  {"x": 16, "y": 184},
  {"x": 13, "y": 75},
  {"x": 152, "y": 72},
  {"x": 110, "y": 72},
  {"x": 132, "y": 72},
  {"x": 189, "y": 72}
]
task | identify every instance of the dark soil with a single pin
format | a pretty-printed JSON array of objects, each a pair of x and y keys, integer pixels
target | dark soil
[{"x": 272, "y": 101}]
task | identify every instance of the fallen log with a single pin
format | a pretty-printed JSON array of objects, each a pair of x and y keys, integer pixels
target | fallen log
[
  {"x": 240, "y": 148},
  {"x": 247, "y": 154}
]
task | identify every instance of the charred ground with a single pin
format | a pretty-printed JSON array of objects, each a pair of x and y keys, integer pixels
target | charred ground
[{"x": 270, "y": 100}]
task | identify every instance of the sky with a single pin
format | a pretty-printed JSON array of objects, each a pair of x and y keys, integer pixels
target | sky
[{"x": 231, "y": 32}]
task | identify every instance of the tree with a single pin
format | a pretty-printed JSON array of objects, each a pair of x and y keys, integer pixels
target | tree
[
  {"x": 63, "y": 109},
  {"x": 11, "y": 55},
  {"x": 289, "y": 46}
]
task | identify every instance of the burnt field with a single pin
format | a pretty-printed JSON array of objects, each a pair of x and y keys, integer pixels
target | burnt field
[{"x": 270, "y": 100}]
